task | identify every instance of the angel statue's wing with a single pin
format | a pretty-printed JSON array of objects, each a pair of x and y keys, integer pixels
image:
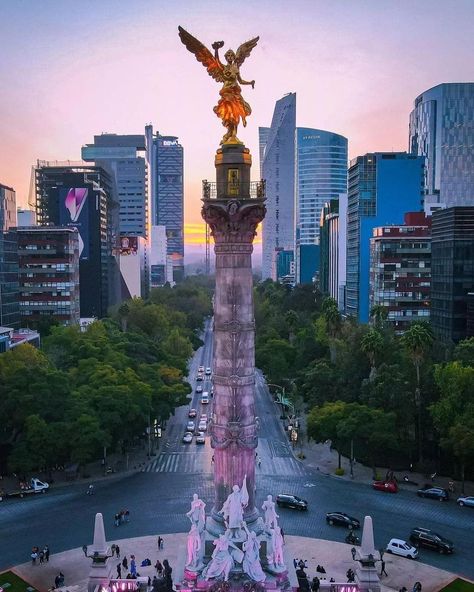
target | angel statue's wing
[
  {"x": 244, "y": 50},
  {"x": 203, "y": 55}
]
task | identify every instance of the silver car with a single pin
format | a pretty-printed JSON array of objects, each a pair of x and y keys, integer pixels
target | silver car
[{"x": 466, "y": 501}]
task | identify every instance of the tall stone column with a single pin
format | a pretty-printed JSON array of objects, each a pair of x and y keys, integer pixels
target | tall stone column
[{"x": 233, "y": 207}]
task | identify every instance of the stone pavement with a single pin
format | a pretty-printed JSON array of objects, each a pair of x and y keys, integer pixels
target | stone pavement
[{"x": 335, "y": 557}]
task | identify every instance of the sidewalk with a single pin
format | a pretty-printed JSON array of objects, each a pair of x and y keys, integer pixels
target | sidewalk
[
  {"x": 335, "y": 557},
  {"x": 320, "y": 457},
  {"x": 121, "y": 465}
]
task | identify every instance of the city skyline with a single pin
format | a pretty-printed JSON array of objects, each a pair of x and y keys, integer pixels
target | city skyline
[{"x": 356, "y": 69}]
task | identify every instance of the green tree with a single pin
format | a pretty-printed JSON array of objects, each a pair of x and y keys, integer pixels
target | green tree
[
  {"x": 372, "y": 345},
  {"x": 333, "y": 320},
  {"x": 379, "y": 315},
  {"x": 418, "y": 340}
]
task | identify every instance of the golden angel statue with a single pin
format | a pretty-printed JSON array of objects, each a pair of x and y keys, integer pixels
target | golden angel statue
[{"x": 231, "y": 107}]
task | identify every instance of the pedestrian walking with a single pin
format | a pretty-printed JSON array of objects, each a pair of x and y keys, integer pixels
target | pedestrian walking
[
  {"x": 133, "y": 566},
  {"x": 295, "y": 562},
  {"x": 126, "y": 516},
  {"x": 381, "y": 551},
  {"x": 116, "y": 519},
  {"x": 382, "y": 570},
  {"x": 113, "y": 550},
  {"x": 315, "y": 584},
  {"x": 119, "y": 571},
  {"x": 282, "y": 534},
  {"x": 167, "y": 570},
  {"x": 159, "y": 567},
  {"x": 353, "y": 551},
  {"x": 84, "y": 550},
  {"x": 159, "y": 543},
  {"x": 125, "y": 563},
  {"x": 162, "y": 544},
  {"x": 117, "y": 551},
  {"x": 34, "y": 557},
  {"x": 46, "y": 553},
  {"x": 41, "y": 556}
]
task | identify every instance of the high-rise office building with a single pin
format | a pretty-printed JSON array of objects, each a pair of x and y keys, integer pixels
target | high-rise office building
[
  {"x": 165, "y": 156},
  {"x": 80, "y": 196},
  {"x": 400, "y": 270},
  {"x": 277, "y": 145},
  {"x": 124, "y": 158},
  {"x": 48, "y": 265},
  {"x": 442, "y": 130},
  {"x": 321, "y": 176},
  {"x": 382, "y": 187},
  {"x": 329, "y": 249},
  {"x": 9, "y": 307},
  {"x": 452, "y": 271}
]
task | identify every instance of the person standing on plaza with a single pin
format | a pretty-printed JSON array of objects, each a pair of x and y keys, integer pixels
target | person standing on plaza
[
  {"x": 112, "y": 548},
  {"x": 125, "y": 563},
  {"x": 119, "y": 571},
  {"x": 46, "y": 553},
  {"x": 168, "y": 570},
  {"x": 159, "y": 568},
  {"x": 133, "y": 566},
  {"x": 117, "y": 551}
]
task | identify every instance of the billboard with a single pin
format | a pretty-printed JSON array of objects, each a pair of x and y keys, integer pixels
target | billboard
[
  {"x": 128, "y": 245},
  {"x": 74, "y": 212}
]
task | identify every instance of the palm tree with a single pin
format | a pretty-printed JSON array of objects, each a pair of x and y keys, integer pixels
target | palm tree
[
  {"x": 372, "y": 345},
  {"x": 378, "y": 314},
  {"x": 418, "y": 340},
  {"x": 333, "y": 322},
  {"x": 291, "y": 319}
]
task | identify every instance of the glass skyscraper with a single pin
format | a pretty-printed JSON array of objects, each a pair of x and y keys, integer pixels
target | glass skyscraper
[
  {"x": 321, "y": 176},
  {"x": 442, "y": 129},
  {"x": 166, "y": 157},
  {"x": 382, "y": 187},
  {"x": 123, "y": 157},
  {"x": 277, "y": 166}
]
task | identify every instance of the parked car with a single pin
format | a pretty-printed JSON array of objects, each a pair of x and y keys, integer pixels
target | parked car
[
  {"x": 342, "y": 519},
  {"x": 190, "y": 426},
  {"x": 202, "y": 427},
  {"x": 466, "y": 501},
  {"x": 423, "y": 537},
  {"x": 187, "y": 438},
  {"x": 288, "y": 500},
  {"x": 200, "y": 438},
  {"x": 387, "y": 486},
  {"x": 201, "y": 369},
  {"x": 434, "y": 493},
  {"x": 199, "y": 388},
  {"x": 208, "y": 371},
  {"x": 402, "y": 548},
  {"x": 192, "y": 413}
]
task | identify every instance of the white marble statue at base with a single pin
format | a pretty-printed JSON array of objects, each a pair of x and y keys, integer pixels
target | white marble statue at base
[
  {"x": 221, "y": 561},
  {"x": 233, "y": 508},
  {"x": 275, "y": 557},
  {"x": 193, "y": 561},
  {"x": 251, "y": 562},
  {"x": 270, "y": 513},
  {"x": 196, "y": 514}
]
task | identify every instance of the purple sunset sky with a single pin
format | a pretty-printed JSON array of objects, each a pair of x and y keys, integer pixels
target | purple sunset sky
[{"x": 72, "y": 69}]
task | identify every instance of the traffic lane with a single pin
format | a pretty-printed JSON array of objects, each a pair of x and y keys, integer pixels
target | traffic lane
[
  {"x": 65, "y": 519},
  {"x": 393, "y": 516}
]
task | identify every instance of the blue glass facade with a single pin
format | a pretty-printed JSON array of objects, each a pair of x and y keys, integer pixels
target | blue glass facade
[
  {"x": 382, "y": 187},
  {"x": 442, "y": 129},
  {"x": 308, "y": 256},
  {"x": 277, "y": 153}
]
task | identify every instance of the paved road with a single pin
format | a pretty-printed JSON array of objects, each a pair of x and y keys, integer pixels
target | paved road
[{"x": 64, "y": 517}]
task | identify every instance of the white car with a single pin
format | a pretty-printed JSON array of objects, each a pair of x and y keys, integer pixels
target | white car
[
  {"x": 187, "y": 438},
  {"x": 200, "y": 438},
  {"x": 402, "y": 548},
  {"x": 208, "y": 371},
  {"x": 199, "y": 388},
  {"x": 202, "y": 426},
  {"x": 190, "y": 426}
]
